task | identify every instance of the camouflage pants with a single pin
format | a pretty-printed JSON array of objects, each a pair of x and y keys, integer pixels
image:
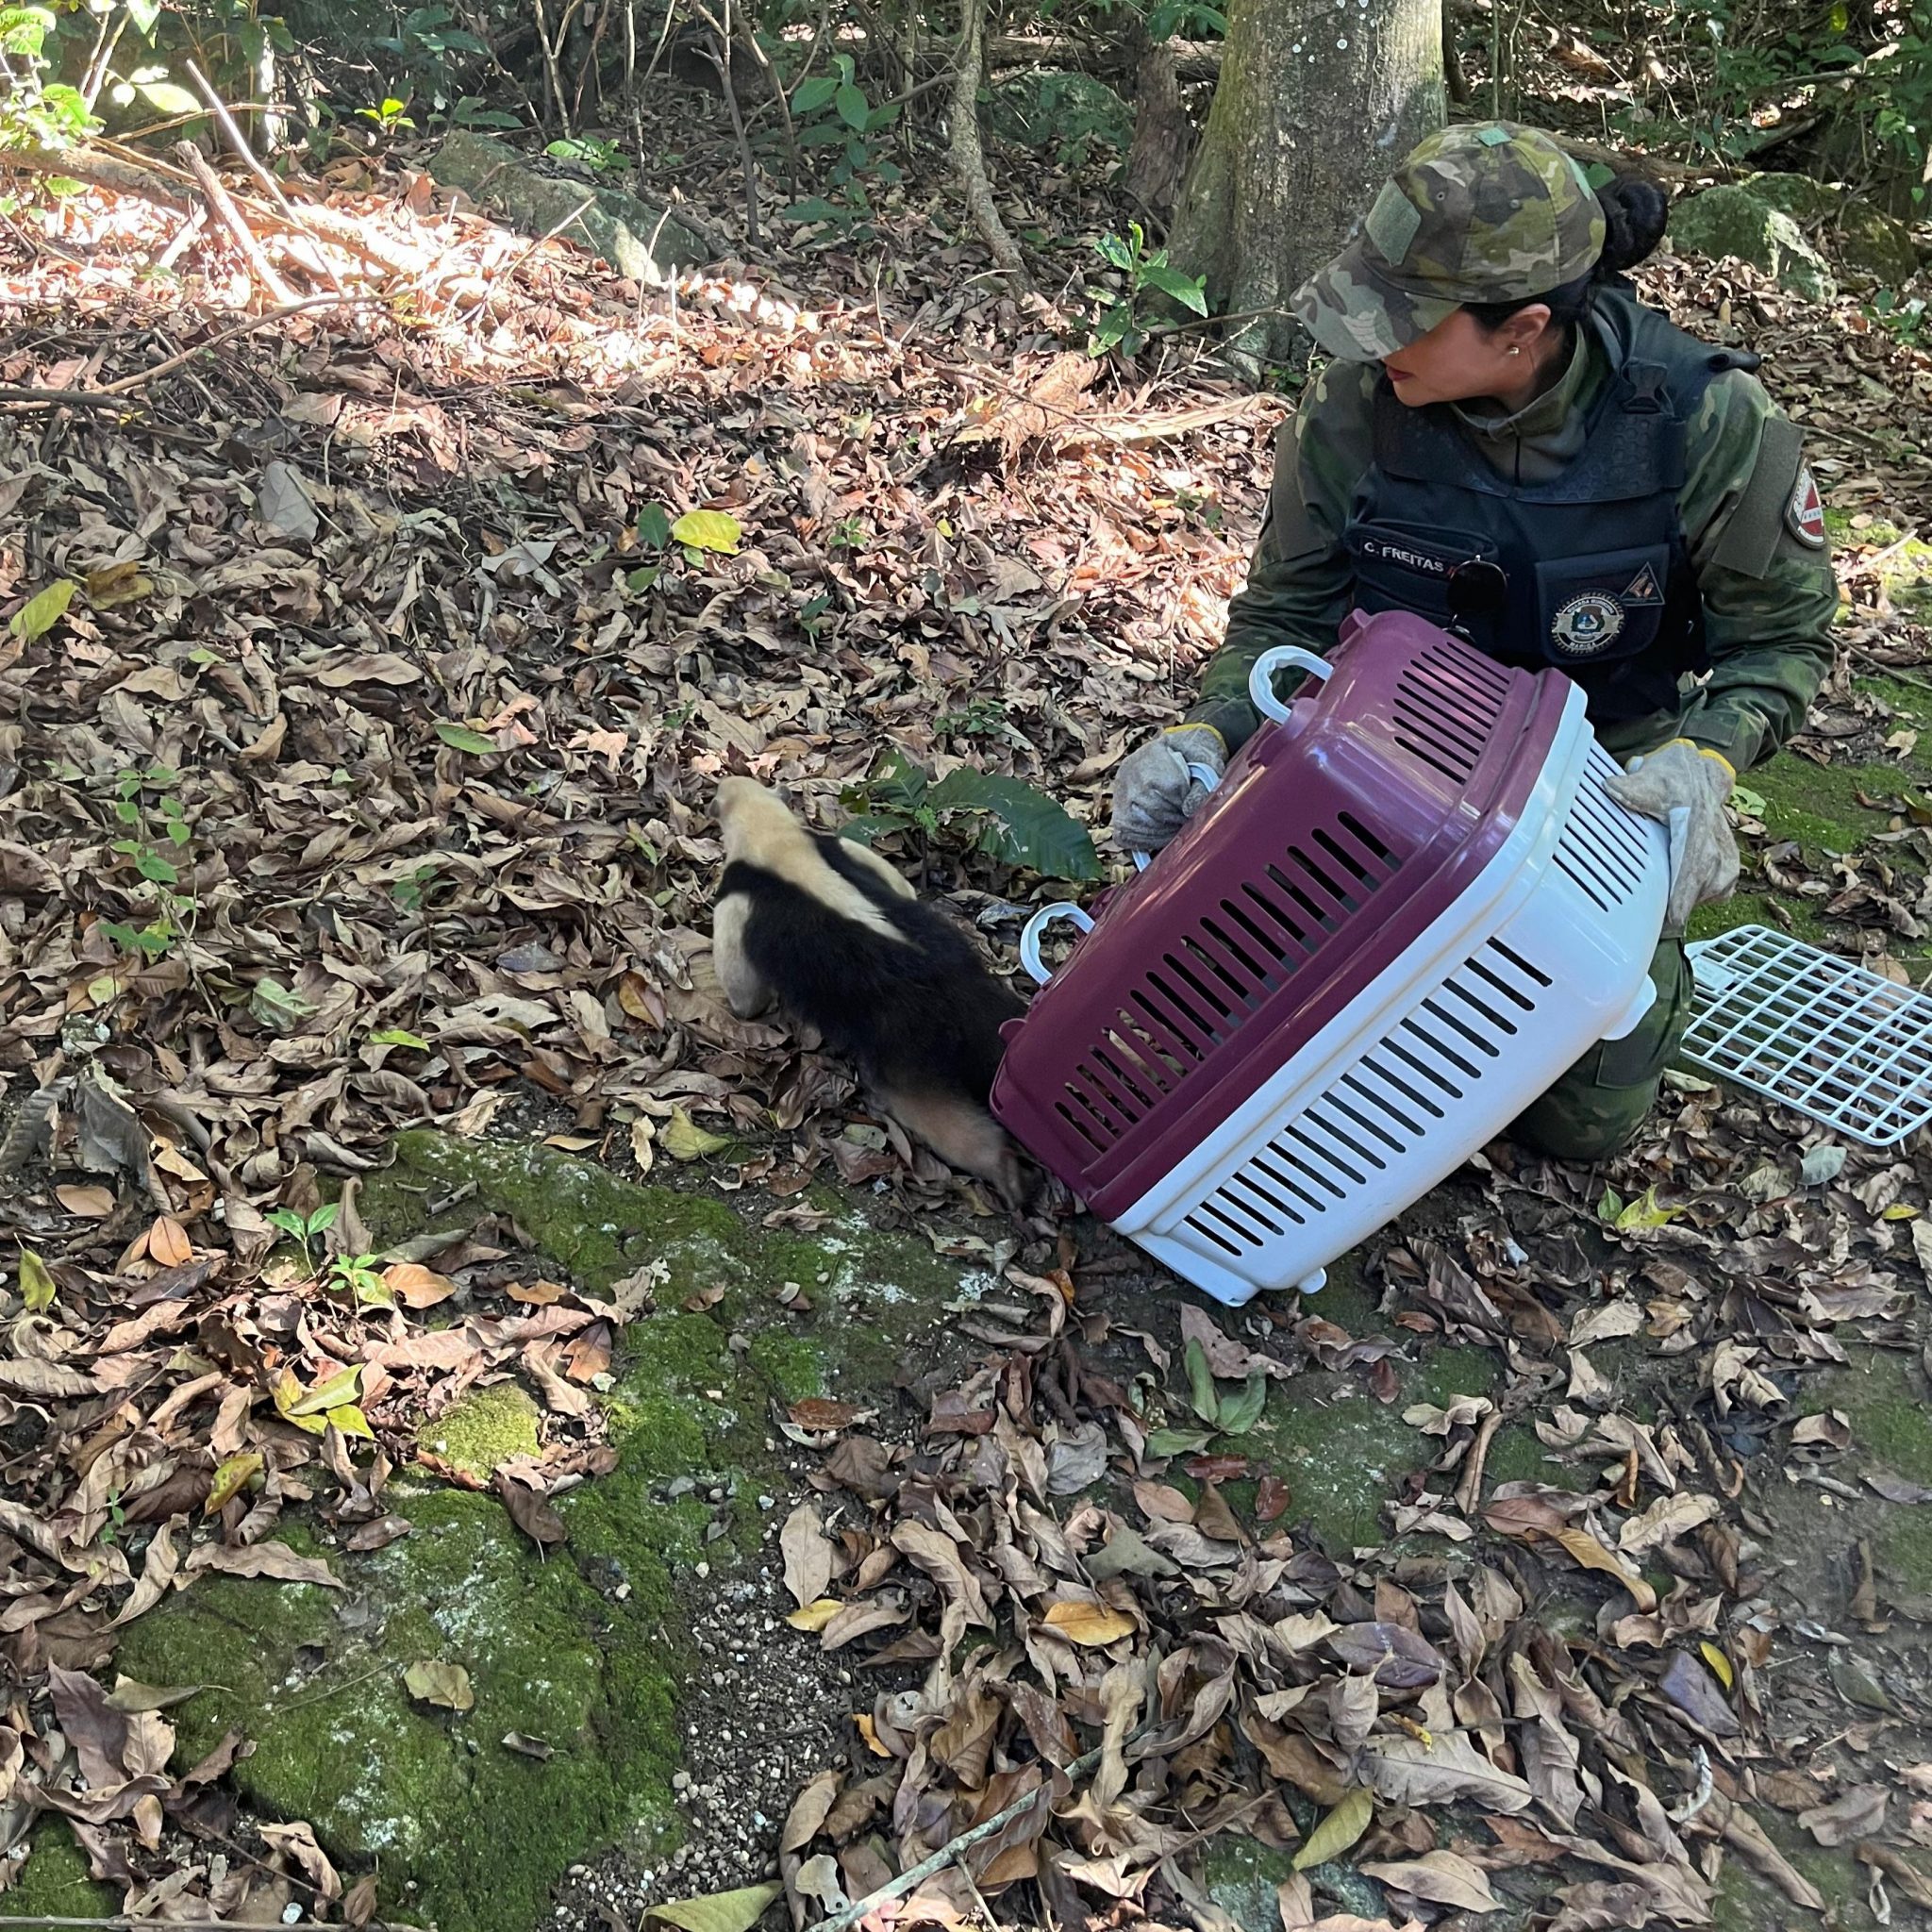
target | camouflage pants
[{"x": 1601, "y": 1102}]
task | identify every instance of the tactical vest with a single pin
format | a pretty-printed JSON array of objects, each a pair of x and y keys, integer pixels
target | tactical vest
[{"x": 1589, "y": 570}]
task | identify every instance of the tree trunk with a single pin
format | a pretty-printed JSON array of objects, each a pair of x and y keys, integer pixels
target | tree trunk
[
  {"x": 1317, "y": 103},
  {"x": 1164, "y": 133}
]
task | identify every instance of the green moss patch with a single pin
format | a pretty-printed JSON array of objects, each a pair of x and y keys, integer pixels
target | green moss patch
[
  {"x": 482, "y": 1429},
  {"x": 582, "y": 1647},
  {"x": 54, "y": 1883},
  {"x": 468, "y": 1833}
]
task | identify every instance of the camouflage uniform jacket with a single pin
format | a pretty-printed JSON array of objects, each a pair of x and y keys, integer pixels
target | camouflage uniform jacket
[{"x": 1768, "y": 598}]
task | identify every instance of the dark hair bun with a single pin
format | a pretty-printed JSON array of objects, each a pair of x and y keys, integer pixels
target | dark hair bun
[{"x": 1635, "y": 211}]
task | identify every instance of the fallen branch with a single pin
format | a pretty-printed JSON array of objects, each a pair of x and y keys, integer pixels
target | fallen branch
[
  {"x": 222, "y": 204},
  {"x": 114, "y": 175},
  {"x": 109, "y": 393},
  {"x": 1194, "y": 60}
]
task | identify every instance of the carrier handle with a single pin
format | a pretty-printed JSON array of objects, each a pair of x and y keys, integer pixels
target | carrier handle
[
  {"x": 1261, "y": 678},
  {"x": 1029, "y": 937},
  {"x": 1201, "y": 774}
]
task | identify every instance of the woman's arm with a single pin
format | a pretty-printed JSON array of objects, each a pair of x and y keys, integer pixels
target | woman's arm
[
  {"x": 1300, "y": 576},
  {"x": 1765, "y": 571}
]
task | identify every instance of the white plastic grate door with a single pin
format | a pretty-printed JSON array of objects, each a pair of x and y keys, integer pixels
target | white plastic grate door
[{"x": 1835, "y": 1040}]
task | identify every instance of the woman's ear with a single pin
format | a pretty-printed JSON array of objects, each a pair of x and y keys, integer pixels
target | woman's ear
[{"x": 1525, "y": 330}]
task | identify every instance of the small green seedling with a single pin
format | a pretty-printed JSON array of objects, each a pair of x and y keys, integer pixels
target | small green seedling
[{"x": 304, "y": 1228}]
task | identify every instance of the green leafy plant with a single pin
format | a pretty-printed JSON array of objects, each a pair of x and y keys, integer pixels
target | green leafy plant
[
  {"x": 357, "y": 1276},
  {"x": 431, "y": 52},
  {"x": 1190, "y": 18},
  {"x": 157, "y": 830},
  {"x": 982, "y": 718},
  {"x": 390, "y": 118},
  {"x": 600, "y": 157},
  {"x": 833, "y": 112},
  {"x": 1009, "y": 819},
  {"x": 1901, "y": 318},
  {"x": 36, "y": 109},
  {"x": 305, "y": 1228},
  {"x": 1126, "y": 323}
]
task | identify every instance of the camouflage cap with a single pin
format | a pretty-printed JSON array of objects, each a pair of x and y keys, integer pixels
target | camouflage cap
[{"x": 1491, "y": 212}]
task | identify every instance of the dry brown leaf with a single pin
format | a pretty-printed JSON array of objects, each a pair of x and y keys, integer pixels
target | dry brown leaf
[
  {"x": 1092, "y": 1624},
  {"x": 1443, "y": 1877},
  {"x": 415, "y": 1286},
  {"x": 1593, "y": 1555},
  {"x": 168, "y": 1242},
  {"x": 808, "y": 1555}
]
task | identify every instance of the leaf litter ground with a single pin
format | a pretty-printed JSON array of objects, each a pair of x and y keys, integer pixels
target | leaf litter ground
[{"x": 360, "y": 780}]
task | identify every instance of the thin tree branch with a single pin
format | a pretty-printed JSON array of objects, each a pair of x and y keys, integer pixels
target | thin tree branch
[
  {"x": 106, "y": 396},
  {"x": 231, "y": 217}
]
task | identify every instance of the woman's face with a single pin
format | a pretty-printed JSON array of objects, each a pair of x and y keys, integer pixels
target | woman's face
[{"x": 1460, "y": 361}]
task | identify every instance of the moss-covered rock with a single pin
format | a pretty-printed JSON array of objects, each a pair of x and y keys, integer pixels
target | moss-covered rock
[
  {"x": 1861, "y": 236},
  {"x": 1728, "y": 221},
  {"x": 468, "y": 1833},
  {"x": 584, "y": 1646},
  {"x": 636, "y": 239}
]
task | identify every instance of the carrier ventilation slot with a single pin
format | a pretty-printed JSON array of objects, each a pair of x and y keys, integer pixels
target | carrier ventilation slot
[
  {"x": 1379, "y": 1107},
  {"x": 1601, "y": 850},
  {"x": 1215, "y": 976},
  {"x": 1446, "y": 706}
]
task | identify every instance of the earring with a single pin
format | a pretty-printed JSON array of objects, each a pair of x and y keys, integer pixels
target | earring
[{"x": 1516, "y": 349}]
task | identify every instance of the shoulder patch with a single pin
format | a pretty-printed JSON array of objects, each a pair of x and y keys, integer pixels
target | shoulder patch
[{"x": 1805, "y": 512}]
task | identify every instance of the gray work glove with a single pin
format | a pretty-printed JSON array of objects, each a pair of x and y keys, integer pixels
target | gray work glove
[
  {"x": 1684, "y": 788},
  {"x": 1155, "y": 793}
]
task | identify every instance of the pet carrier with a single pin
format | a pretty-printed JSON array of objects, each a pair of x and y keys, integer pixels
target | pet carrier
[
  {"x": 1831, "y": 1039},
  {"x": 1405, "y": 909}
]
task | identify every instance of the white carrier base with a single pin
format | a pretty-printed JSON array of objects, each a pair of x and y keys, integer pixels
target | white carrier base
[{"x": 1545, "y": 955}]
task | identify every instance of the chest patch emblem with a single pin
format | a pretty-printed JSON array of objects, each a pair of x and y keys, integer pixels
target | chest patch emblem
[
  {"x": 1642, "y": 589},
  {"x": 1805, "y": 513},
  {"x": 1585, "y": 625}
]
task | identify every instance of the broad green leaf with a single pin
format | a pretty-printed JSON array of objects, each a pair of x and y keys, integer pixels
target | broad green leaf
[
  {"x": 1114, "y": 252},
  {"x": 288, "y": 1393},
  {"x": 1186, "y": 289},
  {"x": 654, "y": 526},
  {"x": 1337, "y": 1831},
  {"x": 684, "y": 1140},
  {"x": 1610, "y": 1206},
  {"x": 35, "y": 1283},
  {"x": 1026, "y": 828},
  {"x": 897, "y": 783},
  {"x": 853, "y": 109},
  {"x": 461, "y": 737},
  {"x": 708, "y": 529},
  {"x": 275, "y": 1006},
  {"x": 719, "y": 1911},
  {"x": 1644, "y": 1212},
  {"x": 1177, "y": 1441},
  {"x": 1239, "y": 1412},
  {"x": 350, "y": 1421},
  {"x": 344, "y": 1386},
  {"x": 231, "y": 1478},
  {"x": 815, "y": 93},
  {"x": 1201, "y": 1384},
  {"x": 399, "y": 1036},
  {"x": 432, "y": 1681},
  {"x": 870, "y": 827}
]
